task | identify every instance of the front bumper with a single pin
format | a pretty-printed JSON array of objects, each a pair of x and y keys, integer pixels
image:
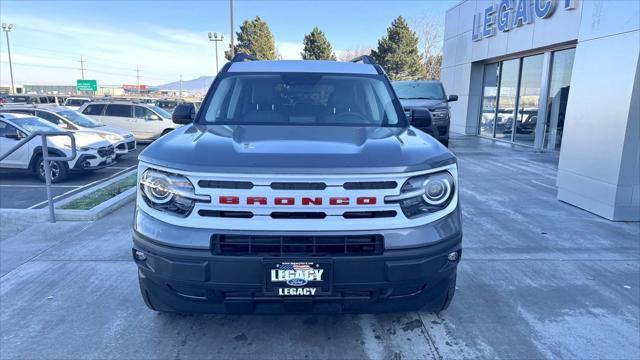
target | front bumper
[
  {"x": 196, "y": 280},
  {"x": 87, "y": 162},
  {"x": 125, "y": 146}
]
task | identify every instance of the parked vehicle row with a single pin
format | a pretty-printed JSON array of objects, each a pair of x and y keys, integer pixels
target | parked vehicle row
[
  {"x": 122, "y": 140},
  {"x": 92, "y": 152}
]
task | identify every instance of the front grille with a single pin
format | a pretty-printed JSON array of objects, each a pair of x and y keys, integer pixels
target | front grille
[
  {"x": 370, "y": 185},
  {"x": 297, "y": 186},
  {"x": 215, "y": 184},
  {"x": 106, "y": 151},
  {"x": 442, "y": 130},
  {"x": 131, "y": 145},
  {"x": 226, "y": 214},
  {"x": 298, "y": 215},
  {"x": 279, "y": 246}
]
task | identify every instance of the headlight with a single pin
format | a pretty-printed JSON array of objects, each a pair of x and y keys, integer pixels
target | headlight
[
  {"x": 111, "y": 137},
  {"x": 439, "y": 114},
  {"x": 169, "y": 193},
  {"x": 425, "y": 194}
]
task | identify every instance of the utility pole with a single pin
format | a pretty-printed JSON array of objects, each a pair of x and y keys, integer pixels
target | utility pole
[
  {"x": 82, "y": 68},
  {"x": 138, "y": 78},
  {"x": 180, "y": 86},
  {"x": 232, "y": 49},
  {"x": 215, "y": 38},
  {"x": 6, "y": 28}
]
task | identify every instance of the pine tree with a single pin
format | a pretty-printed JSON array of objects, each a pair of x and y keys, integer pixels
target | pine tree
[
  {"x": 398, "y": 52},
  {"x": 317, "y": 47},
  {"x": 255, "y": 38}
]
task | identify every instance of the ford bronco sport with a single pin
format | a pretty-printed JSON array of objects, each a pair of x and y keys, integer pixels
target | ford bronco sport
[{"x": 298, "y": 186}]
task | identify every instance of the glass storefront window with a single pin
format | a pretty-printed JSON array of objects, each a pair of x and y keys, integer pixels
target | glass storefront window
[
  {"x": 507, "y": 99},
  {"x": 562, "y": 63},
  {"x": 489, "y": 99},
  {"x": 529, "y": 95}
]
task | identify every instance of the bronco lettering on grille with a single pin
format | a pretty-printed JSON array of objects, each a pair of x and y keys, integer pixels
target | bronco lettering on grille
[{"x": 291, "y": 201}]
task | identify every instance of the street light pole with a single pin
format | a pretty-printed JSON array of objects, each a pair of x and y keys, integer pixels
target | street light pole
[
  {"x": 6, "y": 28},
  {"x": 231, "y": 49},
  {"x": 215, "y": 37}
]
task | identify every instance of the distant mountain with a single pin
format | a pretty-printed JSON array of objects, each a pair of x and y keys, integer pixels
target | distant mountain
[{"x": 200, "y": 85}]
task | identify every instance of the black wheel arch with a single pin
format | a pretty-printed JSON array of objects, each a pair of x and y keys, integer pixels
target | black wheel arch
[{"x": 38, "y": 152}]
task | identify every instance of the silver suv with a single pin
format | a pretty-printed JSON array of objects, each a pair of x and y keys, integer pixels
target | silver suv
[
  {"x": 145, "y": 121},
  {"x": 297, "y": 186}
]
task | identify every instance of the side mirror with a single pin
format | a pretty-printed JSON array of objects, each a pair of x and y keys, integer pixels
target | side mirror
[
  {"x": 421, "y": 118},
  {"x": 452, "y": 98},
  {"x": 154, "y": 117},
  {"x": 184, "y": 114},
  {"x": 16, "y": 136}
]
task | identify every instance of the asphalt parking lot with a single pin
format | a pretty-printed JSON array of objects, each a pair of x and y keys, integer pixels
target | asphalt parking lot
[
  {"x": 538, "y": 279},
  {"x": 20, "y": 189}
]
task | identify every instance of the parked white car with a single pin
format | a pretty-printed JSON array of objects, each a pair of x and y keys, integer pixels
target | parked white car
[
  {"x": 92, "y": 152},
  {"x": 75, "y": 102},
  {"x": 146, "y": 122},
  {"x": 122, "y": 140}
]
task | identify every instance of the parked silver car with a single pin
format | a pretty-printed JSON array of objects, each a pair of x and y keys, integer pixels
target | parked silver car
[
  {"x": 122, "y": 140},
  {"x": 146, "y": 122}
]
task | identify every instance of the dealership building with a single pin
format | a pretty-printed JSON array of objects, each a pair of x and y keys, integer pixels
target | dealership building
[{"x": 554, "y": 75}]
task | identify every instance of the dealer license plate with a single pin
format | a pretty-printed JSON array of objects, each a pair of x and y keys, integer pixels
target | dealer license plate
[{"x": 297, "y": 278}]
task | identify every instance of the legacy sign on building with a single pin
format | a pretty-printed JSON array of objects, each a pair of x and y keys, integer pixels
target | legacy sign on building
[{"x": 509, "y": 14}]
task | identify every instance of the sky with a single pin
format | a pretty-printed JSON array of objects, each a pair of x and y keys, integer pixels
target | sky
[{"x": 169, "y": 38}]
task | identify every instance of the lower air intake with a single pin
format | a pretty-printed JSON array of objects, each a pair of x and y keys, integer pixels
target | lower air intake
[{"x": 278, "y": 246}]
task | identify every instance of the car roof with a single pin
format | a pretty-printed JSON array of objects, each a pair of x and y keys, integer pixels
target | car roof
[
  {"x": 12, "y": 116},
  {"x": 118, "y": 102},
  {"x": 45, "y": 107},
  {"x": 302, "y": 66}
]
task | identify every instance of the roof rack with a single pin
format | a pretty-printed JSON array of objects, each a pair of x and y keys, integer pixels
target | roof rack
[
  {"x": 365, "y": 59},
  {"x": 240, "y": 57}
]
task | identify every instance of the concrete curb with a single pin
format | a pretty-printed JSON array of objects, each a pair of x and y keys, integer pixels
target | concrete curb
[
  {"x": 100, "y": 210},
  {"x": 107, "y": 207}
]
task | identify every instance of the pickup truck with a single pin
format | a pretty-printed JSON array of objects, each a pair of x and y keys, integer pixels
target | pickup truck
[{"x": 298, "y": 186}]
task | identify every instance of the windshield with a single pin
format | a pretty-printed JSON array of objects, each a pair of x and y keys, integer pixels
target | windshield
[
  {"x": 302, "y": 99},
  {"x": 167, "y": 104},
  {"x": 31, "y": 124},
  {"x": 160, "y": 112},
  {"x": 19, "y": 99},
  {"x": 76, "y": 102},
  {"x": 419, "y": 90},
  {"x": 79, "y": 119}
]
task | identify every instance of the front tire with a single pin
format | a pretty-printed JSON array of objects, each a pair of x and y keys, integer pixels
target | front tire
[{"x": 58, "y": 170}]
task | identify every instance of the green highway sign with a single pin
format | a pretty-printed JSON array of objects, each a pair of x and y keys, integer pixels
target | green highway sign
[{"x": 86, "y": 85}]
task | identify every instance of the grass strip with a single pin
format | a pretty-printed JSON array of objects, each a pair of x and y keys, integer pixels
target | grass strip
[{"x": 97, "y": 197}]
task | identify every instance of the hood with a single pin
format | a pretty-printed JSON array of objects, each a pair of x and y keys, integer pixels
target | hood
[
  {"x": 430, "y": 104},
  {"x": 297, "y": 149},
  {"x": 113, "y": 130},
  {"x": 82, "y": 140}
]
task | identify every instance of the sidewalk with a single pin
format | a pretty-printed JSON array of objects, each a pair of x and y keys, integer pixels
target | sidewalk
[{"x": 539, "y": 278}]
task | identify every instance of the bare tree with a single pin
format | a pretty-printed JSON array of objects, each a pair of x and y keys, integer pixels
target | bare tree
[
  {"x": 429, "y": 31},
  {"x": 347, "y": 55}
]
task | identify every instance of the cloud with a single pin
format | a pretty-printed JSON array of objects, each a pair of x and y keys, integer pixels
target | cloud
[
  {"x": 289, "y": 50},
  {"x": 111, "y": 53}
]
